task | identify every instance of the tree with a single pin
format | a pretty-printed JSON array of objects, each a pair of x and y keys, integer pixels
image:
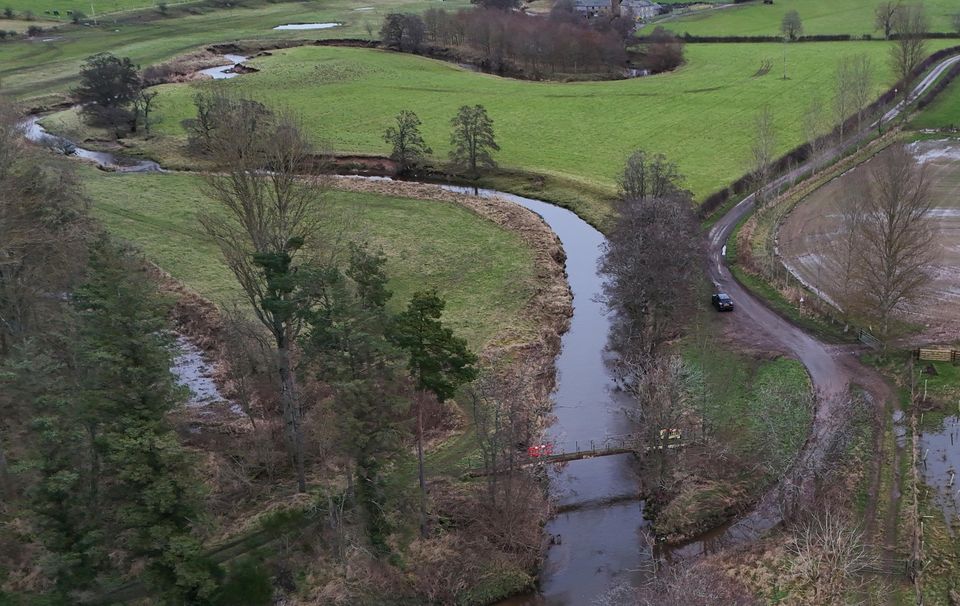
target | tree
[
  {"x": 897, "y": 243},
  {"x": 439, "y": 363},
  {"x": 791, "y": 26},
  {"x": 651, "y": 237},
  {"x": 815, "y": 127},
  {"x": 409, "y": 149},
  {"x": 271, "y": 215},
  {"x": 108, "y": 87},
  {"x": 649, "y": 176},
  {"x": 403, "y": 32},
  {"x": 8, "y": 13},
  {"x": 143, "y": 106},
  {"x": 149, "y": 492},
  {"x": 843, "y": 94},
  {"x": 843, "y": 244},
  {"x": 111, "y": 475},
  {"x": 345, "y": 345},
  {"x": 884, "y": 16},
  {"x": 108, "y": 81},
  {"x": 763, "y": 150},
  {"x": 910, "y": 47},
  {"x": 472, "y": 140},
  {"x": 44, "y": 230},
  {"x": 861, "y": 85},
  {"x": 663, "y": 52}
]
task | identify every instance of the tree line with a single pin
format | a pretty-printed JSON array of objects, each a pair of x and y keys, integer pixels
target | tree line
[{"x": 510, "y": 42}]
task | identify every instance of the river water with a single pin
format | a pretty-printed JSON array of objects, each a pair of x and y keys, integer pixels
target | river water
[{"x": 600, "y": 536}]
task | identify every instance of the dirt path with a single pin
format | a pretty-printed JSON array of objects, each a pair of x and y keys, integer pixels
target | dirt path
[{"x": 833, "y": 370}]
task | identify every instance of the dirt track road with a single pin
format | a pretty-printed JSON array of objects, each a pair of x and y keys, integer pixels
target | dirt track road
[{"x": 832, "y": 369}]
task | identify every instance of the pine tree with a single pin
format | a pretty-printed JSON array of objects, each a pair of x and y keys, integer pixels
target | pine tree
[{"x": 439, "y": 363}]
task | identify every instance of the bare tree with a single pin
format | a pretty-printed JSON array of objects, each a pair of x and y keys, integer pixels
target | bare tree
[
  {"x": 658, "y": 385},
  {"x": 861, "y": 86},
  {"x": 269, "y": 215},
  {"x": 815, "y": 127},
  {"x": 762, "y": 151},
  {"x": 884, "y": 15},
  {"x": 841, "y": 246},
  {"x": 652, "y": 261},
  {"x": 830, "y": 559},
  {"x": 649, "y": 176},
  {"x": 897, "y": 242},
  {"x": 910, "y": 47},
  {"x": 791, "y": 27},
  {"x": 506, "y": 408},
  {"x": 696, "y": 584},
  {"x": 843, "y": 94}
]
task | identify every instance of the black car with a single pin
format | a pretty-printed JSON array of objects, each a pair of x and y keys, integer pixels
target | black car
[{"x": 722, "y": 302}]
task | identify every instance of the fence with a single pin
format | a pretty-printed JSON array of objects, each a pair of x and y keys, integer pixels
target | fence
[{"x": 937, "y": 355}]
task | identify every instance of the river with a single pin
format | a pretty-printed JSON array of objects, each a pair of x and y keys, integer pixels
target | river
[{"x": 600, "y": 538}]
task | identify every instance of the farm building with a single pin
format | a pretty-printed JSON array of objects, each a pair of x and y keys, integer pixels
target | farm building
[
  {"x": 642, "y": 10},
  {"x": 592, "y": 8}
]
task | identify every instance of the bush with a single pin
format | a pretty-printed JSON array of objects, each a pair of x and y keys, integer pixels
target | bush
[
  {"x": 34, "y": 30},
  {"x": 247, "y": 584}
]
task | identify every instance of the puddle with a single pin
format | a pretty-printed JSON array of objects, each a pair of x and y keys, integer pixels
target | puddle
[
  {"x": 940, "y": 451},
  {"x": 191, "y": 370},
  {"x": 223, "y": 72},
  {"x": 945, "y": 150},
  {"x": 297, "y": 26}
]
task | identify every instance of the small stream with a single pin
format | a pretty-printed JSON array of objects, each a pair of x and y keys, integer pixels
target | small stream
[{"x": 191, "y": 370}]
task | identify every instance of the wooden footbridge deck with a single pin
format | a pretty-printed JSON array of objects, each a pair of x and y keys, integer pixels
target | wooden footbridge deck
[{"x": 609, "y": 447}]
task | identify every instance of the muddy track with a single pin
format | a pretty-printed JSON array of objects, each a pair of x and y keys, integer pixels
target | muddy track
[{"x": 833, "y": 370}]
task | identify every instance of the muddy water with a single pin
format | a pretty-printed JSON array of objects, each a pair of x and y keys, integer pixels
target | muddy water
[
  {"x": 33, "y": 131},
  {"x": 600, "y": 536},
  {"x": 223, "y": 72},
  {"x": 940, "y": 450}
]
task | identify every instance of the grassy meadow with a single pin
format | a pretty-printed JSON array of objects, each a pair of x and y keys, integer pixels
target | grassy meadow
[
  {"x": 853, "y": 17},
  {"x": 944, "y": 112},
  {"x": 31, "y": 70},
  {"x": 485, "y": 273},
  {"x": 700, "y": 116},
  {"x": 99, "y": 7}
]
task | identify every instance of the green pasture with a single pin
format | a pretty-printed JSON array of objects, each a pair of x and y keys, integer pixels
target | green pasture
[
  {"x": 45, "y": 8},
  {"x": 944, "y": 112},
  {"x": 485, "y": 273},
  {"x": 30, "y": 69},
  {"x": 854, "y": 17},
  {"x": 700, "y": 116}
]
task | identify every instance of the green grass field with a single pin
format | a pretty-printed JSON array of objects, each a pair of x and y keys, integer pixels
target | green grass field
[
  {"x": 701, "y": 116},
  {"x": 944, "y": 112},
  {"x": 32, "y": 69},
  {"x": 45, "y": 8},
  {"x": 485, "y": 273},
  {"x": 853, "y": 17}
]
